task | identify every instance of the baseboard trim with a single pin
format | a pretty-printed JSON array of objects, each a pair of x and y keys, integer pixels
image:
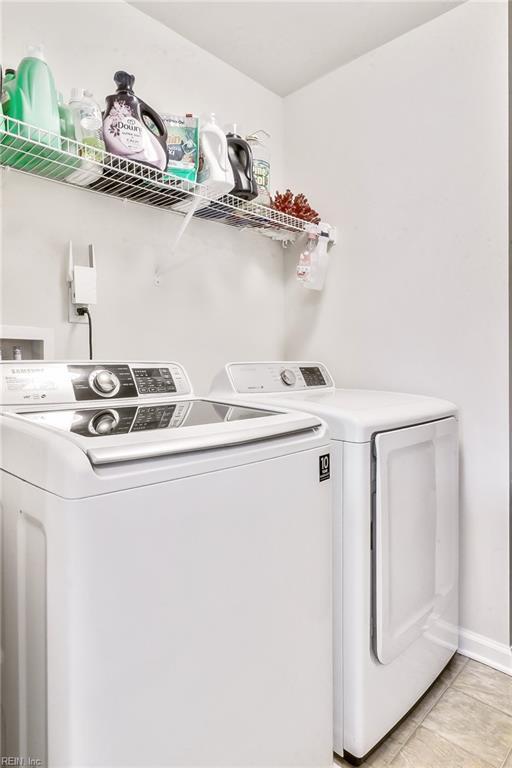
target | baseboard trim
[{"x": 485, "y": 650}]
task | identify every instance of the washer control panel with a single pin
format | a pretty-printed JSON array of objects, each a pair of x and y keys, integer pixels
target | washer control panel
[
  {"x": 277, "y": 376},
  {"x": 91, "y": 382},
  {"x": 154, "y": 380},
  {"x": 34, "y": 382}
]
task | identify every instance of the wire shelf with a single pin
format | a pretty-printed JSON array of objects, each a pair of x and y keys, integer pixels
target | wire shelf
[{"x": 48, "y": 155}]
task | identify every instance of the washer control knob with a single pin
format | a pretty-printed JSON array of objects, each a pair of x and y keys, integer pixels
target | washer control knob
[
  {"x": 288, "y": 377},
  {"x": 106, "y": 382},
  {"x": 104, "y": 422}
]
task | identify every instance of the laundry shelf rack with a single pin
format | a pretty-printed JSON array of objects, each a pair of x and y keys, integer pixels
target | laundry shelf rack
[{"x": 37, "y": 152}]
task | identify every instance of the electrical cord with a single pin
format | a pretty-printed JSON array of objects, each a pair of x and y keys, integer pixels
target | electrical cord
[{"x": 84, "y": 311}]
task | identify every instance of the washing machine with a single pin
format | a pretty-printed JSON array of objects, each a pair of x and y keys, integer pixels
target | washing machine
[
  {"x": 394, "y": 467},
  {"x": 166, "y": 573}
]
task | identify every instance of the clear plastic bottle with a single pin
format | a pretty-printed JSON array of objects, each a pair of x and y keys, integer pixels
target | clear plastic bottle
[
  {"x": 87, "y": 123},
  {"x": 67, "y": 126},
  {"x": 304, "y": 265},
  {"x": 86, "y": 118},
  {"x": 261, "y": 165}
]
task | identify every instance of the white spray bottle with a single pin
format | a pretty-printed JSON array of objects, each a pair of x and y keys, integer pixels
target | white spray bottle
[{"x": 314, "y": 260}]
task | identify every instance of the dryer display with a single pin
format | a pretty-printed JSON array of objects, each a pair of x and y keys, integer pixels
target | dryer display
[{"x": 313, "y": 377}]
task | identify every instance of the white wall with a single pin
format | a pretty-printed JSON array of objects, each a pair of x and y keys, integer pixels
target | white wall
[
  {"x": 226, "y": 300},
  {"x": 413, "y": 170}
]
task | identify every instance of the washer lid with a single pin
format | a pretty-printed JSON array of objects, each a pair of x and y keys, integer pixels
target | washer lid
[
  {"x": 129, "y": 432},
  {"x": 120, "y": 420},
  {"x": 355, "y": 415}
]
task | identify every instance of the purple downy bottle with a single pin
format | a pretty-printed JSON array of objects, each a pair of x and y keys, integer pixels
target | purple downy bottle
[{"x": 131, "y": 128}]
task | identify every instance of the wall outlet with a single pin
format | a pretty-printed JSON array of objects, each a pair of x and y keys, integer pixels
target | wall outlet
[{"x": 73, "y": 316}]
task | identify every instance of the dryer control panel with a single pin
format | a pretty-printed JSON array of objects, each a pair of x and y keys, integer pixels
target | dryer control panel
[
  {"x": 34, "y": 382},
  {"x": 277, "y": 377}
]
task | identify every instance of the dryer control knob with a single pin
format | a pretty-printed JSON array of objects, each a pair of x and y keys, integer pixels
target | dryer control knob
[
  {"x": 288, "y": 377},
  {"x": 106, "y": 383},
  {"x": 104, "y": 423}
]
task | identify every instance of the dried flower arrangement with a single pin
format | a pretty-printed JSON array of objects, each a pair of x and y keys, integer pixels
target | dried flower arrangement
[{"x": 295, "y": 205}]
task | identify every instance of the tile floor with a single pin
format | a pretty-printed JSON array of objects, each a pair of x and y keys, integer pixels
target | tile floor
[{"x": 465, "y": 721}]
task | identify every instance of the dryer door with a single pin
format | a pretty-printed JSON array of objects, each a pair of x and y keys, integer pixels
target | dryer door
[{"x": 415, "y": 532}]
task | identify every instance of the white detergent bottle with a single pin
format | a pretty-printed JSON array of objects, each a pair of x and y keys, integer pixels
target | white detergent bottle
[{"x": 214, "y": 167}]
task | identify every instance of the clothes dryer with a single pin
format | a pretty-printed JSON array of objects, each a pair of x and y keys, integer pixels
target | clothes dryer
[{"x": 394, "y": 468}]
